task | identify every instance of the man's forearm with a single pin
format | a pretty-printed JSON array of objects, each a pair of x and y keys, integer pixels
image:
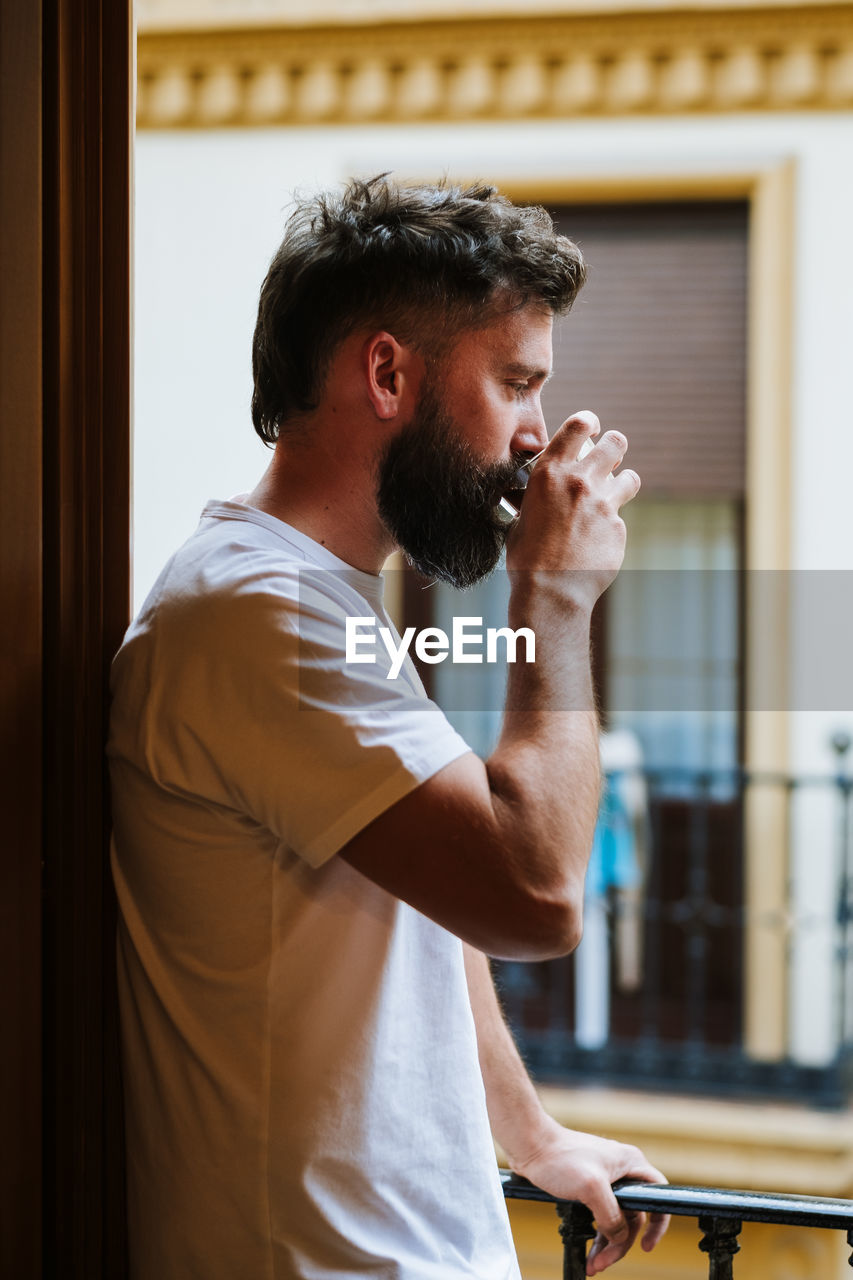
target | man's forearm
[
  {"x": 518, "y": 1121},
  {"x": 544, "y": 773},
  {"x": 567, "y": 1164},
  {"x": 564, "y": 550}
]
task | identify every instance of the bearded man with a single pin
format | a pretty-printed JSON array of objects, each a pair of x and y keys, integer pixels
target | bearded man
[{"x": 311, "y": 865}]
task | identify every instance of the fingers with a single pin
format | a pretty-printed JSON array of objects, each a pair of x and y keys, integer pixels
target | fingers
[
  {"x": 573, "y": 443},
  {"x": 658, "y": 1224},
  {"x": 606, "y": 1249},
  {"x": 627, "y": 486},
  {"x": 571, "y": 510},
  {"x": 617, "y": 1231},
  {"x": 605, "y": 457},
  {"x": 608, "y": 453},
  {"x": 568, "y": 439},
  {"x": 614, "y": 1227},
  {"x": 574, "y": 440}
]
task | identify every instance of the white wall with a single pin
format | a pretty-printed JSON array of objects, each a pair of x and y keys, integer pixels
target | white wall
[{"x": 209, "y": 215}]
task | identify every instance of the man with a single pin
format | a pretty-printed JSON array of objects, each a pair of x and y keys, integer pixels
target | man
[{"x": 311, "y": 865}]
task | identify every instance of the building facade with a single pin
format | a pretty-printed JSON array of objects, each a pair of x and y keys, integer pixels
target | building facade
[{"x": 703, "y": 157}]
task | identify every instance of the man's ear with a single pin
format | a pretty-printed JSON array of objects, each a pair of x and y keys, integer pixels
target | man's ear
[{"x": 389, "y": 374}]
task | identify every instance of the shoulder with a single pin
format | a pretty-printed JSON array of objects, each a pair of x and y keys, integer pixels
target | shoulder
[{"x": 237, "y": 595}]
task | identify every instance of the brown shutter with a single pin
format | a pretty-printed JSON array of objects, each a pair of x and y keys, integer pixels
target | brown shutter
[{"x": 656, "y": 342}]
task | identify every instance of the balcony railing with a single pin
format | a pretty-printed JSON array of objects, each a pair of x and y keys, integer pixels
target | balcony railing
[
  {"x": 720, "y": 1215},
  {"x": 659, "y": 994}
]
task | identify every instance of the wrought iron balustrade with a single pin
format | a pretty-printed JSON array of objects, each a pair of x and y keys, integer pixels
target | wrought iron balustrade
[
  {"x": 720, "y": 1215},
  {"x": 657, "y": 993}
]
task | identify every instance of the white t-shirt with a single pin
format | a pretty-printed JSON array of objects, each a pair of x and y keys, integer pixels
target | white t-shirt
[{"x": 303, "y": 1097}]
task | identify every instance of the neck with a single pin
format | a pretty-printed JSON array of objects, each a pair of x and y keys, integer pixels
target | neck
[{"x": 330, "y": 498}]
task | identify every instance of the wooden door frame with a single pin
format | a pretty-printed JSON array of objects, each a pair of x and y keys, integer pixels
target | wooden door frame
[
  {"x": 66, "y": 93},
  {"x": 20, "y": 637}
]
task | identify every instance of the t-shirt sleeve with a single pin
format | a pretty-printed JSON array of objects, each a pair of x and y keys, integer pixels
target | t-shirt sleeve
[{"x": 261, "y": 712}]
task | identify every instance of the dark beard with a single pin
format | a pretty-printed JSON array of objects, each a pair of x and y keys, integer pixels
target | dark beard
[{"x": 438, "y": 502}]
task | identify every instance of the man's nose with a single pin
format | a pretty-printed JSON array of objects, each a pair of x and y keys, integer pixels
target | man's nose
[{"x": 532, "y": 434}]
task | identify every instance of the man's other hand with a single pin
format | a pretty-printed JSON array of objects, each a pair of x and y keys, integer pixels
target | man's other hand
[{"x": 580, "y": 1166}]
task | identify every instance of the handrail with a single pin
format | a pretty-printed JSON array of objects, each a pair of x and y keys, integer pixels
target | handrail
[
  {"x": 749, "y": 1206},
  {"x": 719, "y": 1211}
]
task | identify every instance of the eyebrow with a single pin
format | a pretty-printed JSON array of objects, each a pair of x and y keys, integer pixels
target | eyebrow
[{"x": 528, "y": 371}]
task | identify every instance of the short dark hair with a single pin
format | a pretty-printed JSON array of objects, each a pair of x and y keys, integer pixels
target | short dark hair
[{"x": 422, "y": 261}]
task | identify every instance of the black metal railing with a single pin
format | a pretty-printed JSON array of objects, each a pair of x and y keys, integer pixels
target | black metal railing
[
  {"x": 661, "y": 1002},
  {"x": 719, "y": 1213}
]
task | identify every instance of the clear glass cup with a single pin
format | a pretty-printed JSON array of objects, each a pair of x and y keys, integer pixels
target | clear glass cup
[{"x": 510, "y": 503}]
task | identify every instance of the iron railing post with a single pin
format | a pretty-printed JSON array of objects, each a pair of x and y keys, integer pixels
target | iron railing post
[
  {"x": 841, "y": 743},
  {"x": 720, "y": 1243},
  {"x": 576, "y": 1228}
]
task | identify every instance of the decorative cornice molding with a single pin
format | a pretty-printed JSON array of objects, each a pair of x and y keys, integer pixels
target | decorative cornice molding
[
  {"x": 758, "y": 59},
  {"x": 204, "y": 15}
]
